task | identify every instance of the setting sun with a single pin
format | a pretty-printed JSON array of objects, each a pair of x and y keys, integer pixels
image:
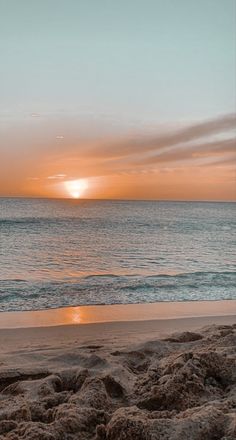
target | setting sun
[{"x": 76, "y": 188}]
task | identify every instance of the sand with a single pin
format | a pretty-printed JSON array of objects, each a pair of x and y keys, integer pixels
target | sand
[
  {"x": 133, "y": 380},
  {"x": 117, "y": 313}
]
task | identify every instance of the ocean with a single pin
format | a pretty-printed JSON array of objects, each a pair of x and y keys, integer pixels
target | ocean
[{"x": 56, "y": 253}]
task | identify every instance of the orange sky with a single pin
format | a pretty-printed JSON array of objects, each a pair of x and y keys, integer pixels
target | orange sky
[{"x": 183, "y": 161}]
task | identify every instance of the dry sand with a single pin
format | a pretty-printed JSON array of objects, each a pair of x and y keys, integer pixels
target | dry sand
[{"x": 120, "y": 380}]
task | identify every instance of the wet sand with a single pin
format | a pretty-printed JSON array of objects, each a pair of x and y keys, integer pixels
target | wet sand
[{"x": 117, "y": 313}]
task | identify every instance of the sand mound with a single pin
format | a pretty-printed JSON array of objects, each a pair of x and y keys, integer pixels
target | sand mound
[{"x": 183, "y": 387}]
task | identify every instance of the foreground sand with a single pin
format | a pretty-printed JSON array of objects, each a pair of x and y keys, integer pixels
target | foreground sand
[{"x": 127, "y": 380}]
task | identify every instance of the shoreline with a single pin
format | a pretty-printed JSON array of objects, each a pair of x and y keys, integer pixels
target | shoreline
[
  {"x": 34, "y": 346},
  {"x": 91, "y": 314}
]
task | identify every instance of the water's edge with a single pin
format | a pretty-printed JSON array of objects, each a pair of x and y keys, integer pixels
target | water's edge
[{"x": 118, "y": 313}]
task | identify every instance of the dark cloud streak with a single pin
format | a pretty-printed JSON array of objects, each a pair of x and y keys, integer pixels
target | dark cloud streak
[{"x": 162, "y": 142}]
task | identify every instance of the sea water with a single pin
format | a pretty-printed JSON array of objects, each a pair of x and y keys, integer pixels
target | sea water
[{"x": 56, "y": 253}]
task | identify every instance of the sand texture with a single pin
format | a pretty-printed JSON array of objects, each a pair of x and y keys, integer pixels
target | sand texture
[{"x": 182, "y": 387}]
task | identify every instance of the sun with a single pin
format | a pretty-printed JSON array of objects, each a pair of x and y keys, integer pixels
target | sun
[{"x": 76, "y": 188}]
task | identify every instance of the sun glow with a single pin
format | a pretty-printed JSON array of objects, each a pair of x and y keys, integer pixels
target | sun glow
[{"x": 76, "y": 188}]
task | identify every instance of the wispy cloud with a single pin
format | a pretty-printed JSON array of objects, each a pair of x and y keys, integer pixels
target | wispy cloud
[
  {"x": 138, "y": 144},
  {"x": 193, "y": 152},
  {"x": 210, "y": 140},
  {"x": 56, "y": 177}
]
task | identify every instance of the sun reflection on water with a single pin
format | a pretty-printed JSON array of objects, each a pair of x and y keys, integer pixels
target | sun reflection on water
[{"x": 76, "y": 316}]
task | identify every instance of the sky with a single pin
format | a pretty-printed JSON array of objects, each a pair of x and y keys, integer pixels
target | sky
[{"x": 135, "y": 99}]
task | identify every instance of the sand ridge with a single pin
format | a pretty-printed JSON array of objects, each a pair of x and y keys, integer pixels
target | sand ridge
[{"x": 182, "y": 386}]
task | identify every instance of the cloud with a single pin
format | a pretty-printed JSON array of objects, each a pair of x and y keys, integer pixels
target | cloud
[
  {"x": 193, "y": 152},
  {"x": 56, "y": 176},
  {"x": 203, "y": 143},
  {"x": 140, "y": 144}
]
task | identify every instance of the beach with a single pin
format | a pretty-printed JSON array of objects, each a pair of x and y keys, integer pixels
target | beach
[{"x": 172, "y": 376}]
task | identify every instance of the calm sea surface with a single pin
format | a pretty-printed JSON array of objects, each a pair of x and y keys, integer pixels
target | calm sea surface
[{"x": 55, "y": 253}]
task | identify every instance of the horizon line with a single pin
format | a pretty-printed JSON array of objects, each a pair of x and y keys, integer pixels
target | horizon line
[{"x": 118, "y": 199}]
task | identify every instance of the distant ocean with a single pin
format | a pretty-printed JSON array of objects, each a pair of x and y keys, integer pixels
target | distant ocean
[{"x": 56, "y": 253}]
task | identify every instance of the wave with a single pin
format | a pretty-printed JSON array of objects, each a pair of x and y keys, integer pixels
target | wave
[
  {"x": 29, "y": 221},
  {"x": 16, "y": 294},
  {"x": 15, "y": 280}
]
